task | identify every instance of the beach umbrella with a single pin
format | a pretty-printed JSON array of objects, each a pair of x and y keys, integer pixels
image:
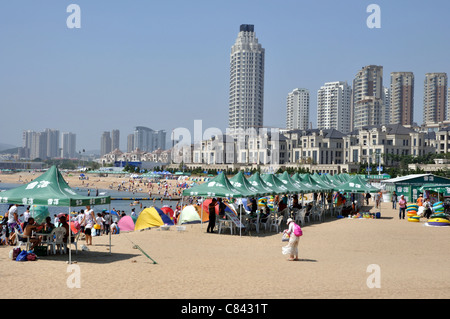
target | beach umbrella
[{"x": 256, "y": 181}]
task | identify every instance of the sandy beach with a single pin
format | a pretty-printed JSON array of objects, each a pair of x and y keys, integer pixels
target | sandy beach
[{"x": 335, "y": 258}]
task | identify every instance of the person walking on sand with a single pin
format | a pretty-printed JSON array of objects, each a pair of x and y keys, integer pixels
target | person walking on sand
[
  {"x": 394, "y": 200},
  {"x": 291, "y": 248},
  {"x": 212, "y": 216},
  {"x": 402, "y": 205},
  {"x": 88, "y": 222}
]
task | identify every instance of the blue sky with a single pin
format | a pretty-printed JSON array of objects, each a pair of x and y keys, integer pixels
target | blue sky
[{"x": 164, "y": 64}]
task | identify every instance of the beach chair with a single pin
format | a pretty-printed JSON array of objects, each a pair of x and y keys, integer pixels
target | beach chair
[
  {"x": 255, "y": 223},
  {"x": 56, "y": 238},
  {"x": 277, "y": 224},
  {"x": 300, "y": 217},
  {"x": 21, "y": 239},
  {"x": 268, "y": 222},
  {"x": 75, "y": 242}
]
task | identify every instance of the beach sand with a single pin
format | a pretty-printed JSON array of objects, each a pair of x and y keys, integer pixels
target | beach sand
[{"x": 335, "y": 258}]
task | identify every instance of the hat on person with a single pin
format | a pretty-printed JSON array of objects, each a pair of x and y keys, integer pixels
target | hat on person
[{"x": 288, "y": 221}]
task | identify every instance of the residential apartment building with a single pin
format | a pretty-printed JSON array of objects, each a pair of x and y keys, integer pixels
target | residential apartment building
[
  {"x": 246, "y": 98},
  {"x": 368, "y": 106},
  {"x": 149, "y": 140},
  {"x": 372, "y": 144},
  {"x": 435, "y": 98},
  {"x": 297, "y": 109},
  {"x": 69, "y": 144},
  {"x": 315, "y": 146},
  {"x": 334, "y": 106},
  {"x": 402, "y": 98}
]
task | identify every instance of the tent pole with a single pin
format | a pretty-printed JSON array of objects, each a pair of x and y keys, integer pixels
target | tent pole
[
  {"x": 201, "y": 203},
  {"x": 69, "y": 239},
  {"x": 109, "y": 231}
]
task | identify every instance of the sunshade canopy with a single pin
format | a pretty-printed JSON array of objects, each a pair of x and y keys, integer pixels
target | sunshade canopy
[
  {"x": 50, "y": 189},
  {"x": 219, "y": 186},
  {"x": 240, "y": 182},
  {"x": 356, "y": 184}
]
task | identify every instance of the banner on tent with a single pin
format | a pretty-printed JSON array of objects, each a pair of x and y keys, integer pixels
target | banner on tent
[{"x": 235, "y": 220}]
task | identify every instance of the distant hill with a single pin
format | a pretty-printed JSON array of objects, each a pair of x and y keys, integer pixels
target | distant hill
[{"x": 4, "y": 146}]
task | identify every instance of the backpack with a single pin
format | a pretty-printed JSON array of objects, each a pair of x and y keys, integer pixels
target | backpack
[{"x": 297, "y": 230}]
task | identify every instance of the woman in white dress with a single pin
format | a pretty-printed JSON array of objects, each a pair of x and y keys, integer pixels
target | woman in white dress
[{"x": 291, "y": 248}]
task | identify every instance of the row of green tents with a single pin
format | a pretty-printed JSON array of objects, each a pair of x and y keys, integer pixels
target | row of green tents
[{"x": 273, "y": 184}]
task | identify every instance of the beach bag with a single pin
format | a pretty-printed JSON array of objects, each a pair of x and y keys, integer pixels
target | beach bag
[
  {"x": 14, "y": 253},
  {"x": 31, "y": 257},
  {"x": 22, "y": 256},
  {"x": 285, "y": 237},
  {"x": 297, "y": 230}
]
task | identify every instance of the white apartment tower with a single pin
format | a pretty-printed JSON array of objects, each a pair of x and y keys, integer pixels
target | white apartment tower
[
  {"x": 246, "y": 101},
  {"x": 334, "y": 106},
  {"x": 368, "y": 106},
  {"x": 297, "y": 110}
]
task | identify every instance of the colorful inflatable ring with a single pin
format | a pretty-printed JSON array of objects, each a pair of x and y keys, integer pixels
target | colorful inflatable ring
[
  {"x": 439, "y": 222},
  {"x": 411, "y": 214},
  {"x": 441, "y": 215},
  {"x": 412, "y": 219},
  {"x": 438, "y": 207},
  {"x": 438, "y": 203},
  {"x": 412, "y": 206}
]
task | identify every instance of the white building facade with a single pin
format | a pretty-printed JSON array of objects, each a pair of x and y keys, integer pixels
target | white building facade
[
  {"x": 297, "y": 109},
  {"x": 334, "y": 100}
]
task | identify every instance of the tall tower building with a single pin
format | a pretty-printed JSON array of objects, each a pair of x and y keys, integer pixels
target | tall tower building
[
  {"x": 435, "y": 97},
  {"x": 149, "y": 140},
  {"x": 69, "y": 142},
  {"x": 368, "y": 105},
  {"x": 52, "y": 143},
  {"x": 297, "y": 110},
  {"x": 246, "y": 102},
  {"x": 115, "y": 139},
  {"x": 334, "y": 106},
  {"x": 402, "y": 98},
  {"x": 105, "y": 143}
]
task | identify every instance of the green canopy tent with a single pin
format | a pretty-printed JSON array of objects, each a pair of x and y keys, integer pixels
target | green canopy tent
[
  {"x": 356, "y": 184},
  {"x": 276, "y": 184},
  {"x": 293, "y": 184},
  {"x": 318, "y": 183},
  {"x": 440, "y": 189},
  {"x": 50, "y": 189},
  {"x": 218, "y": 186},
  {"x": 301, "y": 178},
  {"x": 240, "y": 182},
  {"x": 262, "y": 187}
]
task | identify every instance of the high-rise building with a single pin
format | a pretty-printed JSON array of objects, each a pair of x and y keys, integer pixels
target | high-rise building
[
  {"x": 105, "y": 143},
  {"x": 130, "y": 143},
  {"x": 402, "y": 98},
  {"x": 387, "y": 104},
  {"x": 115, "y": 140},
  {"x": 69, "y": 142},
  {"x": 367, "y": 104},
  {"x": 52, "y": 143},
  {"x": 297, "y": 109},
  {"x": 246, "y": 100},
  {"x": 334, "y": 106},
  {"x": 435, "y": 97},
  {"x": 149, "y": 140}
]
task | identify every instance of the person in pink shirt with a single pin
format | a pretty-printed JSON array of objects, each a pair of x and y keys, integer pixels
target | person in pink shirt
[{"x": 402, "y": 205}]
